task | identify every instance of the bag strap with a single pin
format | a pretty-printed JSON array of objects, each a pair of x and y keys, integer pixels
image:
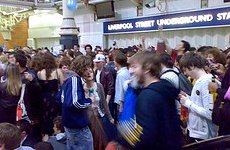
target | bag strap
[
  {"x": 22, "y": 93},
  {"x": 170, "y": 70}
]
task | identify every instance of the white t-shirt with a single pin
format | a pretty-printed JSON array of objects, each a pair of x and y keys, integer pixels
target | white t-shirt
[{"x": 98, "y": 76}]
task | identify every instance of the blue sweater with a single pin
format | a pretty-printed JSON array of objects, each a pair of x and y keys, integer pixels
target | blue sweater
[{"x": 74, "y": 103}]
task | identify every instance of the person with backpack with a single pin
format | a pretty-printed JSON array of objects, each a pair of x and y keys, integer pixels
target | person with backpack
[
  {"x": 170, "y": 73},
  {"x": 174, "y": 75},
  {"x": 178, "y": 80},
  {"x": 200, "y": 103}
]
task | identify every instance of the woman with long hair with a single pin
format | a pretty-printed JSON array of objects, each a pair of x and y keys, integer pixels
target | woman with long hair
[
  {"x": 99, "y": 113},
  {"x": 10, "y": 94},
  {"x": 50, "y": 79},
  {"x": 36, "y": 63}
]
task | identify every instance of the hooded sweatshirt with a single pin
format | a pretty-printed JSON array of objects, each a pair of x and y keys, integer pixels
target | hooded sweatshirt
[{"x": 157, "y": 118}]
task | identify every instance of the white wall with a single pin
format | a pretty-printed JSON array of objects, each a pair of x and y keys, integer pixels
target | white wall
[
  {"x": 91, "y": 32},
  {"x": 44, "y": 29},
  {"x": 46, "y": 42}
]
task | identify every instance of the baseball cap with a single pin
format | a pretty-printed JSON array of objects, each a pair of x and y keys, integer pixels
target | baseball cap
[{"x": 99, "y": 58}]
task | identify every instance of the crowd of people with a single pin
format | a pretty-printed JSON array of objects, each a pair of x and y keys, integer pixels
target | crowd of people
[{"x": 131, "y": 98}]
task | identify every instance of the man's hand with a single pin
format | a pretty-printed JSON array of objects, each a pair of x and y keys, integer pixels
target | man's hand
[
  {"x": 185, "y": 101},
  {"x": 108, "y": 98},
  {"x": 93, "y": 99},
  {"x": 86, "y": 89},
  {"x": 28, "y": 76},
  {"x": 111, "y": 121}
]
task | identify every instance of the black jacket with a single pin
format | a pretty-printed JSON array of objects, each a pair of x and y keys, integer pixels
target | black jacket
[
  {"x": 157, "y": 116},
  {"x": 32, "y": 97},
  {"x": 8, "y": 105},
  {"x": 221, "y": 110}
]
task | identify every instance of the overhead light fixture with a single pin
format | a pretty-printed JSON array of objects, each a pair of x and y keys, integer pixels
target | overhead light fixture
[
  {"x": 154, "y": 3},
  {"x": 151, "y": 4}
]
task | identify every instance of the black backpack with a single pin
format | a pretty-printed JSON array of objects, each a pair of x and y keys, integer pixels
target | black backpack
[{"x": 184, "y": 84}]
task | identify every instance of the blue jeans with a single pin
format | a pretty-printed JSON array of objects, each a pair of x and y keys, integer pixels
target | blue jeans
[{"x": 79, "y": 139}]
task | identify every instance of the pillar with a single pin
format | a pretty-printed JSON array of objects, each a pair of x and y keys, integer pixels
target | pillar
[{"x": 69, "y": 31}]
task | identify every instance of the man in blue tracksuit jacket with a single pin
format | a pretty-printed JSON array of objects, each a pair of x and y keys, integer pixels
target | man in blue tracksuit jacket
[
  {"x": 74, "y": 114},
  {"x": 74, "y": 107}
]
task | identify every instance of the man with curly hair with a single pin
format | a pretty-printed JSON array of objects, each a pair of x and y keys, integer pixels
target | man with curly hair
[{"x": 74, "y": 107}]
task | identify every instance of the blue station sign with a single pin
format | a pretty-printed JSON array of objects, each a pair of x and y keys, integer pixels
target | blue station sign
[{"x": 184, "y": 20}]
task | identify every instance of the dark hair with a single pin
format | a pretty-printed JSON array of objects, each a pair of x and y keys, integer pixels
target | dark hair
[
  {"x": 203, "y": 49},
  {"x": 24, "y": 125},
  {"x": 21, "y": 59},
  {"x": 9, "y": 136},
  {"x": 106, "y": 51},
  {"x": 88, "y": 45},
  {"x": 80, "y": 64},
  {"x": 219, "y": 57},
  {"x": 58, "y": 122},
  {"x": 36, "y": 62},
  {"x": 65, "y": 61},
  {"x": 11, "y": 53},
  {"x": 192, "y": 59},
  {"x": 49, "y": 64},
  {"x": 166, "y": 60},
  {"x": 178, "y": 58},
  {"x": 43, "y": 146},
  {"x": 20, "y": 52},
  {"x": 186, "y": 45},
  {"x": 192, "y": 49},
  {"x": 149, "y": 61},
  {"x": 120, "y": 58},
  {"x": 70, "y": 52},
  {"x": 77, "y": 45},
  {"x": 96, "y": 47}
]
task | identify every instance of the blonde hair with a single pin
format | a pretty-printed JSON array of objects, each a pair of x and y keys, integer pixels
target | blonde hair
[
  {"x": 13, "y": 83},
  {"x": 4, "y": 59}
]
